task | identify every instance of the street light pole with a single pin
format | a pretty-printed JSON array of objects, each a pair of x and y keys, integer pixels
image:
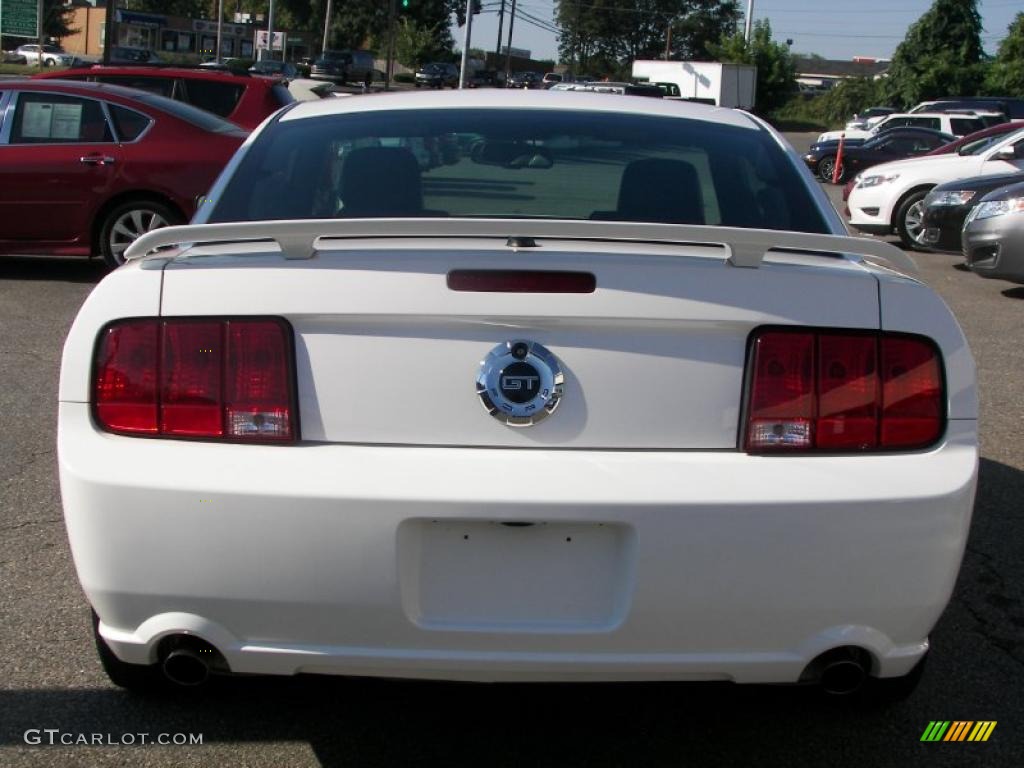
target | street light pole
[
  {"x": 465, "y": 44},
  {"x": 269, "y": 50},
  {"x": 508, "y": 57},
  {"x": 748, "y": 22},
  {"x": 501, "y": 20},
  {"x": 220, "y": 22},
  {"x": 327, "y": 26}
]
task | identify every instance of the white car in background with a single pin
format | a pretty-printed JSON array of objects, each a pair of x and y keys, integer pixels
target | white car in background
[
  {"x": 51, "y": 55},
  {"x": 954, "y": 124},
  {"x": 608, "y": 395},
  {"x": 889, "y": 198}
]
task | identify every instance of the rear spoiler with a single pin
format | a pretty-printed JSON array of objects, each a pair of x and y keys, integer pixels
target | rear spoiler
[{"x": 300, "y": 238}]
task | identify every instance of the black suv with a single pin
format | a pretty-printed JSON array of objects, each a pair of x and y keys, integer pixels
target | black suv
[
  {"x": 344, "y": 67},
  {"x": 437, "y": 75}
]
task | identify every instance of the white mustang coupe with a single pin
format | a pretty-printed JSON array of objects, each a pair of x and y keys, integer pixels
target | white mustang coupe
[{"x": 527, "y": 386}]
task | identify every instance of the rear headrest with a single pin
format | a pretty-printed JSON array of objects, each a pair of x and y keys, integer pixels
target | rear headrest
[
  {"x": 665, "y": 191},
  {"x": 381, "y": 181}
]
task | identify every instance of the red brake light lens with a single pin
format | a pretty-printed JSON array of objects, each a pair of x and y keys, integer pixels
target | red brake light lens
[
  {"x": 843, "y": 391},
  {"x": 125, "y": 384},
  {"x": 209, "y": 378}
]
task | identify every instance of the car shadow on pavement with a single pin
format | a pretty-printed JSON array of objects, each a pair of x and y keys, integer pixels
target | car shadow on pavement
[
  {"x": 367, "y": 723},
  {"x": 1014, "y": 293},
  {"x": 68, "y": 270}
]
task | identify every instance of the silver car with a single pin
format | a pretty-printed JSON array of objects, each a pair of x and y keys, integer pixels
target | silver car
[
  {"x": 51, "y": 55},
  {"x": 993, "y": 235}
]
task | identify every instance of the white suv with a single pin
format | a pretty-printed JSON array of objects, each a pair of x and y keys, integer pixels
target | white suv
[
  {"x": 888, "y": 197},
  {"x": 954, "y": 124}
]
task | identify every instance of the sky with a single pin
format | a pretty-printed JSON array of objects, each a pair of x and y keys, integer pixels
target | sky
[{"x": 836, "y": 29}]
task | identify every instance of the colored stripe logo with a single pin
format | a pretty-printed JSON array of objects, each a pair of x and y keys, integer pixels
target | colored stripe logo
[{"x": 958, "y": 730}]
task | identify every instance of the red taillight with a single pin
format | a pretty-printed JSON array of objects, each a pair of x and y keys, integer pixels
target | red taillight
[
  {"x": 836, "y": 391},
  {"x": 209, "y": 378}
]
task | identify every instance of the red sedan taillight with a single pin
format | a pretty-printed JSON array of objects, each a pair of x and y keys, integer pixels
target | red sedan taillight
[
  {"x": 217, "y": 378},
  {"x": 842, "y": 391}
]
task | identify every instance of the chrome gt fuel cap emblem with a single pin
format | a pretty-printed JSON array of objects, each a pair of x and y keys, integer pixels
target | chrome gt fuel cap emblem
[{"x": 520, "y": 383}]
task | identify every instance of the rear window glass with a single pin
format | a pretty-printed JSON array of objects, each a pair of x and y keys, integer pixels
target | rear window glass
[
  {"x": 128, "y": 123},
  {"x": 963, "y": 127},
  {"x": 162, "y": 86},
  {"x": 213, "y": 96},
  {"x": 197, "y": 117},
  {"x": 522, "y": 164}
]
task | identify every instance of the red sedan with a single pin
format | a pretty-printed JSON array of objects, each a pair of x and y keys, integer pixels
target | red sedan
[{"x": 85, "y": 168}]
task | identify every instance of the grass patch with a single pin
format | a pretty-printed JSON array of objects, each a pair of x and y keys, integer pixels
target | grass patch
[{"x": 26, "y": 70}]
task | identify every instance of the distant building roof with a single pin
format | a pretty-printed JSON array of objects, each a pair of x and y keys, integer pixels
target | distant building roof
[{"x": 807, "y": 66}]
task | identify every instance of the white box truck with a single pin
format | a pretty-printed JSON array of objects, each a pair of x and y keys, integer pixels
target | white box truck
[{"x": 729, "y": 85}]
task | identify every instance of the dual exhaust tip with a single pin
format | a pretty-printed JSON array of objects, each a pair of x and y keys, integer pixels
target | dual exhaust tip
[
  {"x": 187, "y": 661},
  {"x": 839, "y": 672}
]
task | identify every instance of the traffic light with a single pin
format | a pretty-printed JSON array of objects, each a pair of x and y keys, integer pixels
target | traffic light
[{"x": 404, "y": 5}]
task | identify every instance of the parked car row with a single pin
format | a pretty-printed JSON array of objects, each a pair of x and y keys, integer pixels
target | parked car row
[{"x": 964, "y": 197}]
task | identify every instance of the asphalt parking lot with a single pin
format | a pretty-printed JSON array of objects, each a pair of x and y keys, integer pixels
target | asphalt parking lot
[{"x": 50, "y": 677}]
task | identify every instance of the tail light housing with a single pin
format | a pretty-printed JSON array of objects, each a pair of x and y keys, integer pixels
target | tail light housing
[
  {"x": 831, "y": 391},
  {"x": 203, "y": 378}
]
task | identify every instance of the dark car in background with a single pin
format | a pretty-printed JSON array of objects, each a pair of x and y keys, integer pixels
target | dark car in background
[
  {"x": 343, "y": 67},
  {"x": 245, "y": 101},
  {"x": 894, "y": 144},
  {"x": 86, "y": 168},
  {"x": 525, "y": 80},
  {"x": 437, "y": 75},
  {"x": 993, "y": 235},
  {"x": 947, "y": 206}
]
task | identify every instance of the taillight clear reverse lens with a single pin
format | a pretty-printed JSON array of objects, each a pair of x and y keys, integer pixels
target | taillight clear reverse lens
[
  {"x": 835, "y": 391},
  {"x": 208, "y": 378}
]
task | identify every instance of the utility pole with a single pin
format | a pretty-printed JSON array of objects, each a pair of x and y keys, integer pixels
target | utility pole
[
  {"x": 268, "y": 52},
  {"x": 508, "y": 57},
  {"x": 327, "y": 26},
  {"x": 578, "y": 47},
  {"x": 668, "y": 40},
  {"x": 390, "y": 65},
  {"x": 465, "y": 44},
  {"x": 748, "y": 22},
  {"x": 497, "y": 50},
  {"x": 220, "y": 21},
  {"x": 109, "y": 39}
]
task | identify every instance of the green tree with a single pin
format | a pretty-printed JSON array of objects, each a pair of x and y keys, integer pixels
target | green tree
[
  {"x": 57, "y": 19},
  {"x": 940, "y": 56},
  {"x": 1006, "y": 72},
  {"x": 776, "y": 72},
  {"x": 416, "y": 45},
  {"x": 608, "y": 35}
]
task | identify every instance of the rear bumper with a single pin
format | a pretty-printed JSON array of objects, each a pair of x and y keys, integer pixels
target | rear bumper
[{"x": 392, "y": 561}]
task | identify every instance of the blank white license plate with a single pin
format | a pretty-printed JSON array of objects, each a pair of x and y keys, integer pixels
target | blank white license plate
[{"x": 489, "y": 576}]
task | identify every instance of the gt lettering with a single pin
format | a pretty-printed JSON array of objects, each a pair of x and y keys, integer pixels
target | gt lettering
[{"x": 516, "y": 382}]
